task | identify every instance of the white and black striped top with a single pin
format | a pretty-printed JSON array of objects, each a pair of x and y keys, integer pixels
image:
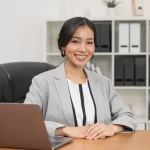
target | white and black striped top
[{"x": 83, "y": 104}]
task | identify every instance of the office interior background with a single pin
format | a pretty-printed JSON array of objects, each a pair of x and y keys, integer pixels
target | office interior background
[{"x": 28, "y": 26}]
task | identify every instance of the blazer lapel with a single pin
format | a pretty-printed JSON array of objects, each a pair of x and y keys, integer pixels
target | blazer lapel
[
  {"x": 97, "y": 94},
  {"x": 63, "y": 93}
]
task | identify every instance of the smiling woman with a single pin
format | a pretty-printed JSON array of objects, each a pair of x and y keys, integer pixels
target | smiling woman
[
  {"x": 77, "y": 102},
  {"x": 80, "y": 48}
]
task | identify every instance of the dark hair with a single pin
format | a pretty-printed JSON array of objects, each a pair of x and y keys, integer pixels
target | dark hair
[{"x": 69, "y": 28}]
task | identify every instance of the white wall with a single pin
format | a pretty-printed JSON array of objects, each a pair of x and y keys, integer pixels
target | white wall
[{"x": 22, "y": 23}]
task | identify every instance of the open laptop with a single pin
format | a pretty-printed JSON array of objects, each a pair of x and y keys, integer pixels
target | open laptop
[{"x": 22, "y": 126}]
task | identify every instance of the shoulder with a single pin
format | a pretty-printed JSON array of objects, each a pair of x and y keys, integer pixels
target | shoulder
[
  {"x": 57, "y": 73},
  {"x": 103, "y": 80},
  {"x": 45, "y": 76}
]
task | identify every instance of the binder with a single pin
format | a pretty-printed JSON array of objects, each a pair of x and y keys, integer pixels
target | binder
[
  {"x": 140, "y": 71},
  {"x": 97, "y": 26},
  {"x": 103, "y": 41},
  {"x": 135, "y": 37},
  {"x": 119, "y": 71},
  {"x": 105, "y": 38},
  {"x": 129, "y": 71},
  {"x": 123, "y": 38}
]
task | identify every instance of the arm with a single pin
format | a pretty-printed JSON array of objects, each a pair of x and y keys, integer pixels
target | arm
[
  {"x": 36, "y": 96},
  {"x": 117, "y": 128},
  {"x": 122, "y": 118},
  {"x": 74, "y": 132},
  {"x": 121, "y": 114}
]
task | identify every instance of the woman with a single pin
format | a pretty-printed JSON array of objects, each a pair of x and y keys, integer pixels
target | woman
[{"x": 75, "y": 101}]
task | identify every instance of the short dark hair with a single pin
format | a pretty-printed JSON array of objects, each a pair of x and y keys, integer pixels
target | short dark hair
[{"x": 69, "y": 28}]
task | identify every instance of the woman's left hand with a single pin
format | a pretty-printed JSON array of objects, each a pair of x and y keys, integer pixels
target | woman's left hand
[{"x": 100, "y": 130}]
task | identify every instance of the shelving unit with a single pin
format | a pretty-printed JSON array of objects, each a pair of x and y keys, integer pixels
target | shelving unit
[{"x": 137, "y": 97}]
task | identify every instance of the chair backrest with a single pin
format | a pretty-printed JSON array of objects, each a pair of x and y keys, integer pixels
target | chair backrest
[{"x": 16, "y": 77}]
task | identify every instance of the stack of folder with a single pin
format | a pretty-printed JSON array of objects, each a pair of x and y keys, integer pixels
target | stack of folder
[
  {"x": 103, "y": 31},
  {"x": 129, "y": 38},
  {"x": 130, "y": 70}
]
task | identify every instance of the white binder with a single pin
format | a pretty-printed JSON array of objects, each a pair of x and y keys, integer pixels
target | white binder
[
  {"x": 135, "y": 37},
  {"x": 124, "y": 38}
]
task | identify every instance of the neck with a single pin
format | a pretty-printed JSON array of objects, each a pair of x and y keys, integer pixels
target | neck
[{"x": 75, "y": 74}]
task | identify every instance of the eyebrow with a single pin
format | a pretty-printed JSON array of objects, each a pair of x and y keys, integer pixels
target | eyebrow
[{"x": 80, "y": 38}]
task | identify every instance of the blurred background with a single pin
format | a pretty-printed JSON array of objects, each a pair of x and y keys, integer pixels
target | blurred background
[{"x": 22, "y": 23}]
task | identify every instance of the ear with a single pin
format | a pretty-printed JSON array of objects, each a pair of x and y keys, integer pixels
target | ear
[{"x": 63, "y": 48}]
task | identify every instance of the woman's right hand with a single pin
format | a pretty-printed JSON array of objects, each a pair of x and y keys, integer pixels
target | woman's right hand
[{"x": 73, "y": 132}]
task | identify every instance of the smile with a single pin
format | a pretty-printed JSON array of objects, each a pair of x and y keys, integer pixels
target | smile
[{"x": 81, "y": 57}]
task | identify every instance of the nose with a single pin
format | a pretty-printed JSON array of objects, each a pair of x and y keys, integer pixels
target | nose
[{"x": 82, "y": 47}]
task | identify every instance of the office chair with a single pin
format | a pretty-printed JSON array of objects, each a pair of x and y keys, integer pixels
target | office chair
[{"x": 16, "y": 77}]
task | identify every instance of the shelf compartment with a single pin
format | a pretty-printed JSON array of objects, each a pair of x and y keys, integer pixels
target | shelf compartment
[
  {"x": 52, "y": 33},
  {"x": 136, "y": 100},
  {"x": 55, "y": 60},
  {"x": 104, "y": 63},
  {"x": 103, "y": 36},
  {"x": 130, "y": 70},
  {"x": 141, "y": 126},
  {"x": 124, "y": 40}
]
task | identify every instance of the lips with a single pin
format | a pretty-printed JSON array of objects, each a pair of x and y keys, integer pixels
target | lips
[{"x": 81, "y": 57}]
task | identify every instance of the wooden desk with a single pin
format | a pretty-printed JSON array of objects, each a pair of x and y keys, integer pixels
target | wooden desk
[{"x": 140, "y": 140}]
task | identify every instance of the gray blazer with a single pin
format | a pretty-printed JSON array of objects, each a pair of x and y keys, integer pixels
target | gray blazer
[{"x": 50, "y": 91}]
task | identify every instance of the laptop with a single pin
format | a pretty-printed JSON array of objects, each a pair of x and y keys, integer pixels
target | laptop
[{"x": 22, "y": 127}]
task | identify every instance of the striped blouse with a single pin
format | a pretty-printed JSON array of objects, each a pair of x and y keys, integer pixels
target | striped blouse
[{"x": 83, "y": 104}]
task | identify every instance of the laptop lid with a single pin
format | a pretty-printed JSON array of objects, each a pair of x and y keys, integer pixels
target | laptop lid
[{"x": 22, "y": 126}]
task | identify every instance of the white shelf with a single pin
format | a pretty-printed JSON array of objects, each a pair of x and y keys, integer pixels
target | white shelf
[
  {"x": 130, "y": 87},
  {"x": 138, "y": 18},
  {"x": 95, "y": 54},
  {"x": 103, "y": 54},
  {"x": 106, "y": 18},
  {"x": 130, "y": 54}
]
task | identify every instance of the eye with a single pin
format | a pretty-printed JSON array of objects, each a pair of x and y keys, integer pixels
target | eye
[
  {"x": 75, "y": 41},
  {"x": 89, "y": 42}
]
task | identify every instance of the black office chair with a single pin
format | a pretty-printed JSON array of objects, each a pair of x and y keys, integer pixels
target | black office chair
[{"x": 15, "y": 79}]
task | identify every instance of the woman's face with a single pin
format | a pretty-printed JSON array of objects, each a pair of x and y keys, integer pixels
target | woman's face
[{"x": 81, "y": 47}]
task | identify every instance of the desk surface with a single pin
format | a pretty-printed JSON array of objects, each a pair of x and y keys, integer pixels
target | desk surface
[{"x": 140, "y": 140}]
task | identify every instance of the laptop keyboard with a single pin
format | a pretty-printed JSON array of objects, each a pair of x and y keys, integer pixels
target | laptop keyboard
[{"x": 55, "y": 143}]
